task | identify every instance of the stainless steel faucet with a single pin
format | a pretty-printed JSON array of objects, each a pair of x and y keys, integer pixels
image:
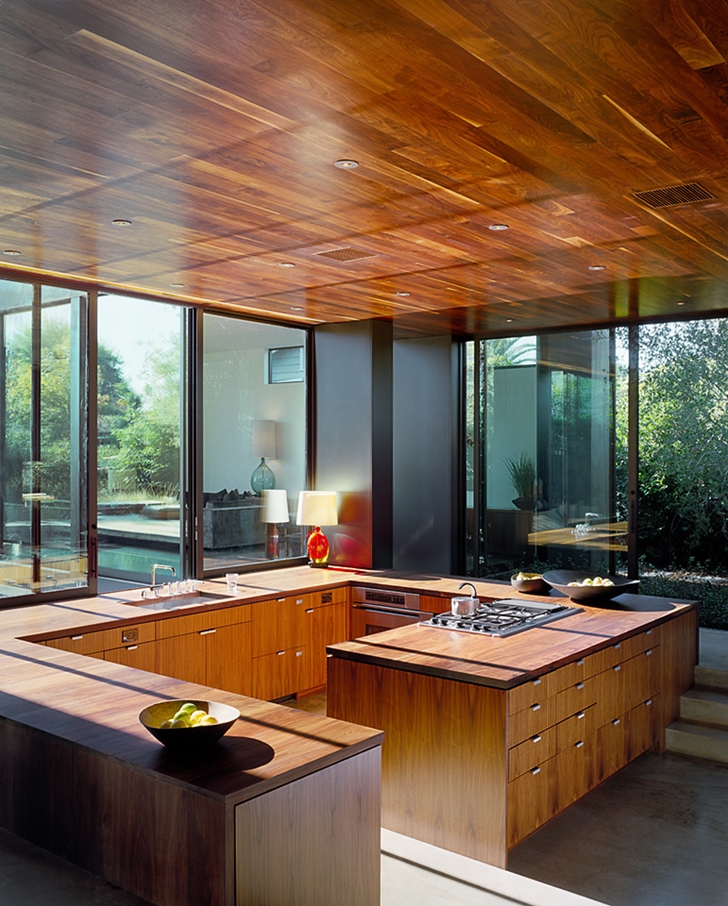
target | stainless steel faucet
[{"x": 160, "y": 566}]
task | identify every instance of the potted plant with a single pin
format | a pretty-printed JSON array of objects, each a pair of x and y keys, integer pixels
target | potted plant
[{"x": 522, "y": 472}]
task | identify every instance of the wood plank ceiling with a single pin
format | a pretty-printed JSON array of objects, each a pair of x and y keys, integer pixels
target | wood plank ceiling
[{"x": 213, "y": 127}]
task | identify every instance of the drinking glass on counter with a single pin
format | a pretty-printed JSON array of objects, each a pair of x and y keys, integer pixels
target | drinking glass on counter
[{"x": 232, "y": 582}]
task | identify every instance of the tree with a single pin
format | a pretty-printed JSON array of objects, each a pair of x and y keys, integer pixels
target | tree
[{"x": 684, "y": 443}]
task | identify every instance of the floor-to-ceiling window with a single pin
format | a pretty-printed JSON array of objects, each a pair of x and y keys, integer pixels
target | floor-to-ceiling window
[
  {"x": 141, "y": 436},
  {"x": 253, "y": 441},
  {"x": 548, "y": 492},
  {"x": 43, "y": 439}
]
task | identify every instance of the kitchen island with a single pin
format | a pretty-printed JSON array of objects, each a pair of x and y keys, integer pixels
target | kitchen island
[
  {"x": 488, "y": 738},
  {"x": 284, "y": 809}
]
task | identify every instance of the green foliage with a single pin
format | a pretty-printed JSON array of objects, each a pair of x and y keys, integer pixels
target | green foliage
[
  {"x": 683, "y": 505},
  {"x": 522, "y": 472},
  {"x": 710, "y": 591}
]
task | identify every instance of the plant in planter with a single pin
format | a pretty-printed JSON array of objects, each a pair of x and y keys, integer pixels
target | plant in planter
[{"x": 522, "y": 472}]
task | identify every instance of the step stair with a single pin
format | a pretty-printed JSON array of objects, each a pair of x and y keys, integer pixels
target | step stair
[{"x": 702, "y": 729}]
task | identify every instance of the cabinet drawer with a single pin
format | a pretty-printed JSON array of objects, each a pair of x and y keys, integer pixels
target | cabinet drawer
[
  {"x": 531, "y": 801},
  {"x": 143, "y": 656},
  {"x": 530, "y": 721},
  {"x": 90, "y": 642},
  {"x": 277, "y": 675},
  {"x": 577, "y": 697},
  {"x": 578, "y": 727},
  {"x": 532, "y": 752},
  {"x": 200, "y": 622},
  {"x": 575, "y": 771},
  {"x": 625, "y": 685},
  {"x": 278, "y": 624},
  {"x": 532, "y": 692}
]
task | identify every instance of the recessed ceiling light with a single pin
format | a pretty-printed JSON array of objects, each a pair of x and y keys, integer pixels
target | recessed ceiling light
[
  {"x": 596, "y": 267},
  {"x": 509, "y": 320},
  {"x": 498, "y": 227},
  {"x": 296, "y": 308},
  {"x": 345, "y": 164},
  {"x": 121, "y": 223},
  {"x": 177, "y": 285},
  {"x": 403, "y": 294},
  {"x": 11, "y": 252},
  {"x": 680, "y": 303},
  {"x": 286, "y": 264}
]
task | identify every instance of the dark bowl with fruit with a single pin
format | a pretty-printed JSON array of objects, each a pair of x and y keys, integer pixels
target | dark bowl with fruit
[
  {"x": 589, "y": 587},
  {"x": 529, "y": 583},
  {"x": 188, "y": 724}
]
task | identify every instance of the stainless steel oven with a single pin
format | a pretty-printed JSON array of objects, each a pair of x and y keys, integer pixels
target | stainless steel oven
[{"x": 375, "y": 609}]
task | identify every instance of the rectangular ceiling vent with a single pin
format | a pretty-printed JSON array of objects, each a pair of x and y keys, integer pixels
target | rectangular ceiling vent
[
  {"x": 346, "y": 254},
  {"x": 672, "y": 195}
]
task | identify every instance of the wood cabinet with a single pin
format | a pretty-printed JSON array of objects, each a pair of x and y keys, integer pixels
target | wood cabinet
[
  {"x": 278, "y": 646},
  {"x": 210, "y": 648},
  {"x": 475, "y": 768},
  {"x": 326, "y": 623},
  {"x": 96, "y": 643}
]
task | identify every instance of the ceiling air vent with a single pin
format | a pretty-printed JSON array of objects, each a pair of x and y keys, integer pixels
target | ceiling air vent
[
  {"x": 346, "y": 254},
  {"x": 672, "y": 195}
]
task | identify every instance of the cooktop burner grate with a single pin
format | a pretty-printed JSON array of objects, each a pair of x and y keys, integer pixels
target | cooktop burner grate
[{"x": 502, "y": 618}]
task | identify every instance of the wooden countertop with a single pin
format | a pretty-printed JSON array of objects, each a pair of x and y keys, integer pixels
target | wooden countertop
[
  {"x": 94, "y": 704},
  {"x": 506, "y": 662}
]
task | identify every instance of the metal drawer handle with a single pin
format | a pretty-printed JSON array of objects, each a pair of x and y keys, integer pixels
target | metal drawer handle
[
  {"x": 617, "y": 644},
  {"x": 537, "y": 682},
  {"x": 580, "y": 662},
  {"x": 309, "y": 610},
  {"x": 579, "y": 744},
  {"x": 207, "y": 631},
  {"x": 580, "y": 715},
  {"x": 131, "y": 647},
  {"x": 536, "y": 707},
  {"x": 617, "y": 721},
  {"x": 536, "y": 771},
  {"x": 649, "y": 632},
  {"x": 75, "y": 638},
  {"x": 580, "y": 686},
  {"x": 280, "y": 653},
  {"x": 299, "y": 654},
  {"x": 648, "y": 702},
  {"x": 617, "y": 668},
  {"x": 536, "y": 739},
  {"x": 648, "y": 652}
]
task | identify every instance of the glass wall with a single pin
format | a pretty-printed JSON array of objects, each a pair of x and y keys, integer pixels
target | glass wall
[
  {"x": 141, "y": 376},
  {"x": 43, "y": 439},
  {"x": 253, "y": 441},
  {"x": 550, "y": 496}
]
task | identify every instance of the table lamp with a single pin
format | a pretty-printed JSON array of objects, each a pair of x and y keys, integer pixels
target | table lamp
[
  {"x": 263, "y": 443},
  {"x": 317, "y": 508},
  {"x": 275, "y": 511}
]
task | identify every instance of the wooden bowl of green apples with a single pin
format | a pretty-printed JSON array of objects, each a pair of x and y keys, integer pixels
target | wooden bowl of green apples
[{"x": 188, "y": 725}]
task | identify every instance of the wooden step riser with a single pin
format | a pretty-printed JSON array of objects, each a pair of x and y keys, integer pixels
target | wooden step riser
[
  {"x": 715, "y": 714},
  {"x": 712, "y": 678}
]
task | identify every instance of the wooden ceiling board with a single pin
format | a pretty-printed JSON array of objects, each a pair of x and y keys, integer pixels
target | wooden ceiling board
[{"x": 214, "y": 128}]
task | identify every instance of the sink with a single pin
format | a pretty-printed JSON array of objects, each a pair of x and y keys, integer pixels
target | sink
[{"x": 176, "y": 602}]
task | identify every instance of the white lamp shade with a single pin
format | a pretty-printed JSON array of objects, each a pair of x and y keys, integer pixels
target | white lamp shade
[
  {"x": 263, "y": 439},
  {"x": 275, "y": 506},
  {"x": 317, "y": 508}
]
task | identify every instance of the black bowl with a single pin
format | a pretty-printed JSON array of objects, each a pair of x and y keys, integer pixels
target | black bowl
[
  {"x": 188, "y": 738},
  {"x": 533, "y": 584},
  {"x": 560, "y": 579}
]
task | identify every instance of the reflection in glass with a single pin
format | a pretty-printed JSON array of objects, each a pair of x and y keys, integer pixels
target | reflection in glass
[
  {"x": 43, "y": 440},
  {"x": 248, "y": 415},
  {"x": 140, "y": 430}
]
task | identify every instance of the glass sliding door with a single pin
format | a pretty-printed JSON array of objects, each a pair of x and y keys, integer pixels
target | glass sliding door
[
  {"x": 43, "y": 440},
  {"x": 141, "y": 436},
  {"x": 253, "y": 442},
  {"x": 549, "y": 485}
]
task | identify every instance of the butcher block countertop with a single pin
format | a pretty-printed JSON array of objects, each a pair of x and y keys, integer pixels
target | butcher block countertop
[
  {"x": 504, "y": 662},
  {"x": 94, "y": 704}
]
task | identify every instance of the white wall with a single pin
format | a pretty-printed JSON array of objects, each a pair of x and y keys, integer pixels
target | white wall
[{"x": 235, "y": 394}]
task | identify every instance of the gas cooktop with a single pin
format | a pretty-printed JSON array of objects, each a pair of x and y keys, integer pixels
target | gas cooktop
[{"x": 503, "y": 618}]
